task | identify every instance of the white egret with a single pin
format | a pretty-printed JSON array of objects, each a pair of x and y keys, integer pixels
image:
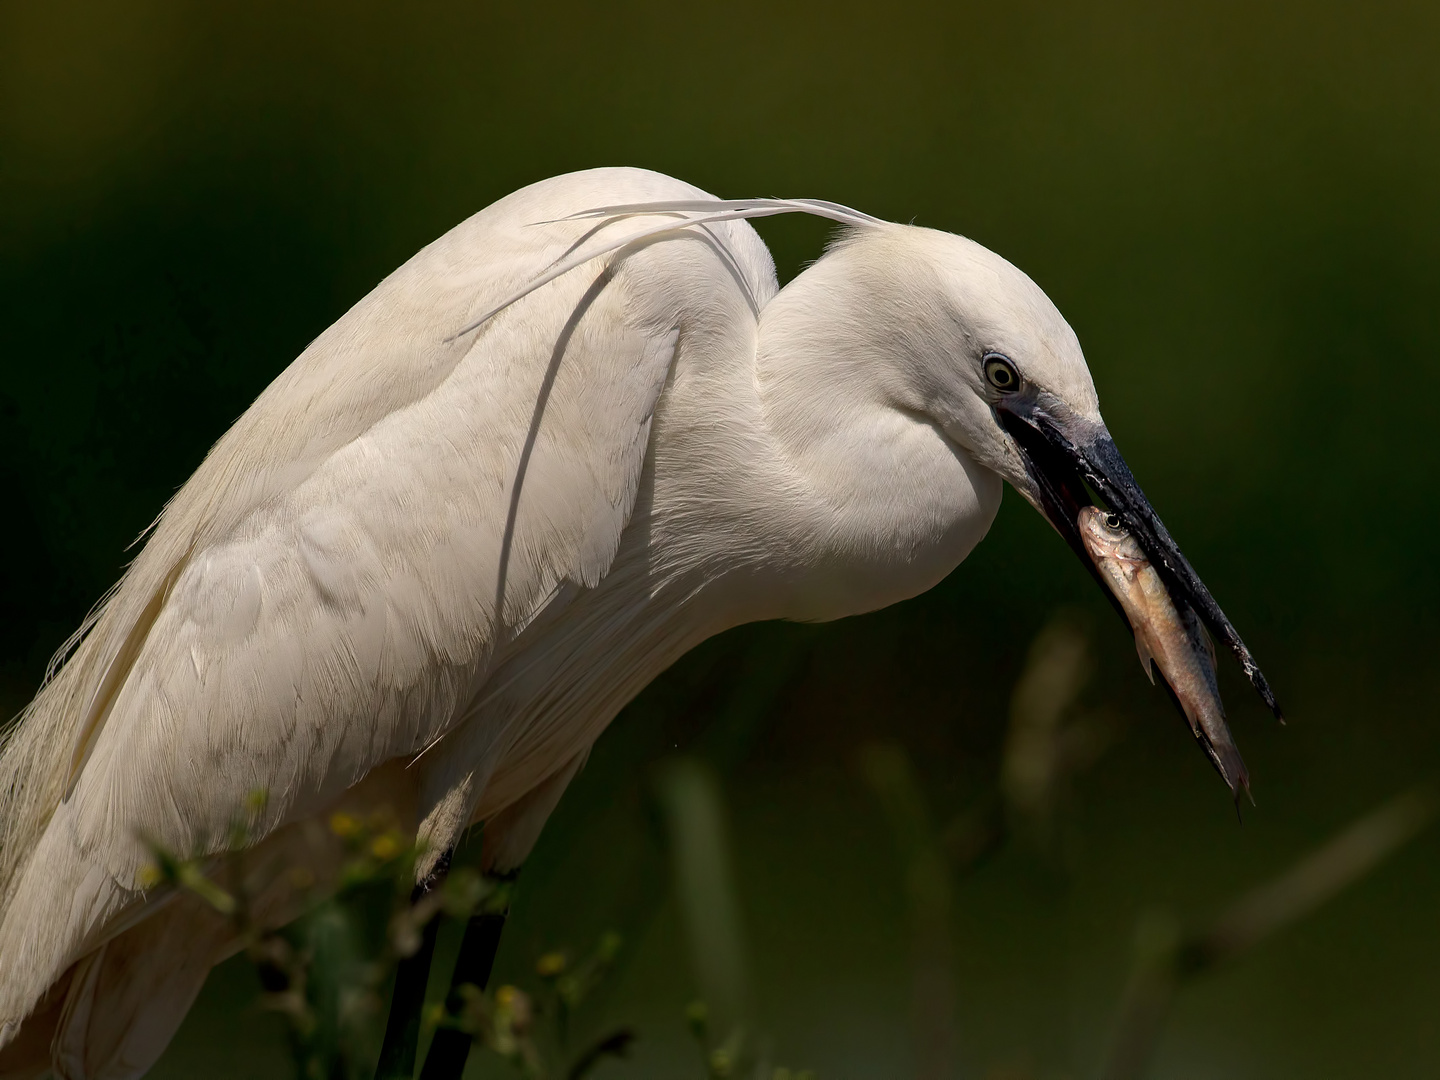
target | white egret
[{"x": 568, "y": 440}]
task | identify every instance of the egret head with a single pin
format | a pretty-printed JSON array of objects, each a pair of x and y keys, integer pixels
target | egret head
[
  {"x": 1011, "y": 386},
  {"x": 974, "y": 345}
]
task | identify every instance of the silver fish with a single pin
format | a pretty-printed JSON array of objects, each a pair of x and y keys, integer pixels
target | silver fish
[{"x": 1171, "y": 637}]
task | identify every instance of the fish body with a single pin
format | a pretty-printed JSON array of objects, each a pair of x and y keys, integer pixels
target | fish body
[{"x": 1168, "y": 635}]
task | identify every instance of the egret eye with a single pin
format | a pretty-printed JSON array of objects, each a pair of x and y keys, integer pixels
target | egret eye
[
  {"x": 1112, "y": 522},
  {"x": 1000, "y": 373}
]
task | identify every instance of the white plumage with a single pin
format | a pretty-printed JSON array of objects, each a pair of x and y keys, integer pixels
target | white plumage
[{"x": 467, "y": 525}]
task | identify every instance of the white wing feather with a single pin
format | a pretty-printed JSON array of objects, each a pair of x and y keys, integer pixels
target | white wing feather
[{"x": 331, "y": 586}]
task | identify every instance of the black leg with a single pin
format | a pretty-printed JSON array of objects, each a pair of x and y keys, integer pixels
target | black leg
[
  {"x": 451, "y": 1047},
  {"x": 402, "y": 1029}
]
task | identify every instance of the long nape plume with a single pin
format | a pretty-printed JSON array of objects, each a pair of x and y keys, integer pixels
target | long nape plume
[{"x": 686, "y": 212}]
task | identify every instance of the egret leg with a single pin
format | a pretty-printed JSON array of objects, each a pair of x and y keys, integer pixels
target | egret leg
[
  {"x": 402, "y": 1029},
  {"x": 450, "y": 1047}
]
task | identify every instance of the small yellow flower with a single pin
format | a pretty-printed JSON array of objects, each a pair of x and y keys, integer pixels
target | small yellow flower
[
  {"x": 385, "y": 846},
  {"x": 343, "y": 824},
  {"x": 550, "y": 965},
  {"x": 149, "y": 876},
  {"x": 505, "y": 997}
]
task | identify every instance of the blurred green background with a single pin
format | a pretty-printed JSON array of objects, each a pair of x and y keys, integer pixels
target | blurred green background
[{"x": 1234, "y": 204}]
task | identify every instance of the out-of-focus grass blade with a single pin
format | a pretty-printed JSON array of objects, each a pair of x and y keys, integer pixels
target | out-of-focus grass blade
[
  {"x": 888, "y": 772},
  {"x": 1167, "y": 956},
  {"x": 1315, "y": 879},
  {"x": 694, "y": 816}
]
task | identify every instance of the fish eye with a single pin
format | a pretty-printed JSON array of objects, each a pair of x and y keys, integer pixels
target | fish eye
[
  {"x": 1000, "y": 373},
  {"x": 1112, "y": 522}
]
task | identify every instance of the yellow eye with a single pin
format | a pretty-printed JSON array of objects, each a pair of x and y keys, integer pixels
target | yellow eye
[
  {"x": 1112, "y": 522},
  {"x": 1000, "y": 373}
]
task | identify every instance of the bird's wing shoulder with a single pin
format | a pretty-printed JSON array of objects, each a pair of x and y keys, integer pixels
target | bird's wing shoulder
[{"x": 344, "y": 582}]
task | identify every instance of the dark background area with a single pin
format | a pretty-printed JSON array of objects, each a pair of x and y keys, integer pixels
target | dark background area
[{"x": 1235, "y": 205}]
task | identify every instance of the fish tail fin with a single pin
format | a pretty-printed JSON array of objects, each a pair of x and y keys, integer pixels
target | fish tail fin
[{"x": 1146, "y": 658}]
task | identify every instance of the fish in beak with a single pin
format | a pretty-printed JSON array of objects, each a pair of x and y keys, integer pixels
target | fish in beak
[
  {"x": 1166, "y": 636},
  {"x": 1067, "y": 456}
]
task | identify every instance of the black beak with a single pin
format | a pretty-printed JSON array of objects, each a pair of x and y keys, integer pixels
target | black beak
[{"x": 1064, "y": 453}]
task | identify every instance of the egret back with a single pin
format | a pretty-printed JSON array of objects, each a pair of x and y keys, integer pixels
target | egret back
[{"x": 331, "y": 588}]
